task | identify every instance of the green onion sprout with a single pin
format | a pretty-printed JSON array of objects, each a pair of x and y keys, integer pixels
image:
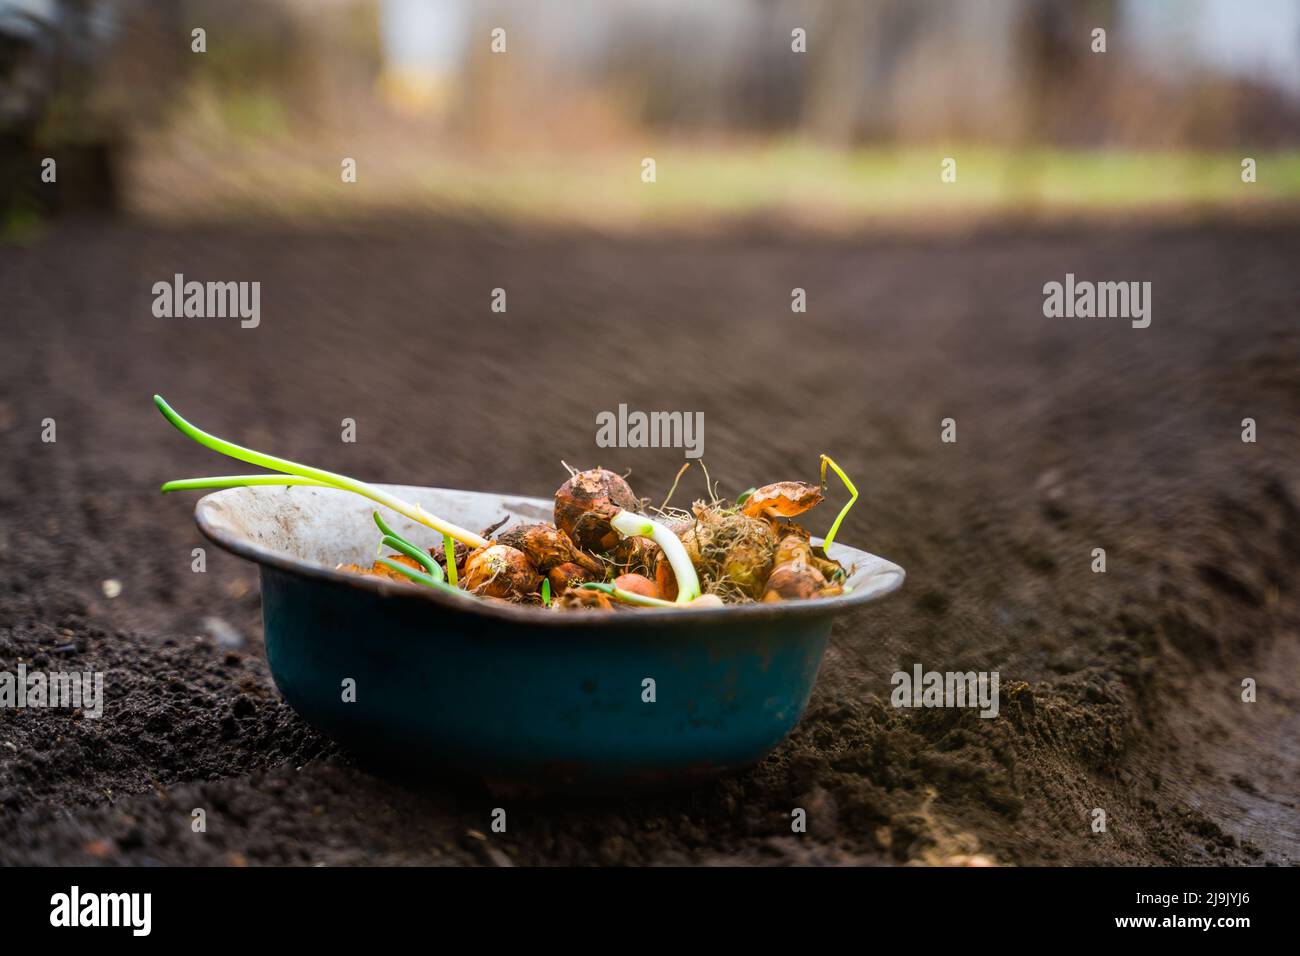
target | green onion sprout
[
  {"x": 546, "y": 592},
  {"x": 628, "y": 597},
  {"x": 240, "y": 481},
  {"x": 297, "y": 471},
  {"x": 688, "y": 583},
  {"x": 830, "y": 535},
  {"x": 449, "y": 555},
  {"x": 420, "y": 577},
  {"x": 413, "y": 551},
  {"x": 415, "y": 554}
]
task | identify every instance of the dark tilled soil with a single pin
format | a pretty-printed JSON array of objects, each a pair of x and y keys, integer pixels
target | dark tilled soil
[{"x": 1121, "y": 691}]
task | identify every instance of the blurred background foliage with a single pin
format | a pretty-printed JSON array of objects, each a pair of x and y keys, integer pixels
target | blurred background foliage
[{"x": 556, "y": 127}]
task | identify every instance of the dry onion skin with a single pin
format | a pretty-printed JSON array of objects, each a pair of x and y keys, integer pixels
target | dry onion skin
[
  {"x": 579, "y": 599},
  {"x": 460, "y": 551},
  {"x": 664, "y": 579},
  {"x": 782, "y": 499},
  {"x": 500, "y": 571},
  {"x": 636, "y": 555},
  {"x": 567, "y": 575},
  {"x": 637, "y": 584},
  {"x": 732, "y": 550},
  {"x": 798, "y": 573},
  {"x": 585, "y": 504},
  {"x": 378, "y": 570},
  {"x": 548, "y": 547},
  {"x": 794, "y": 582}
]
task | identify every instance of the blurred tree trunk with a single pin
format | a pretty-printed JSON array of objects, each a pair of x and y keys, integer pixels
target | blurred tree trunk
[
  {"x": 839, "y": 39},
  {"x": 1065, "y": 83}
]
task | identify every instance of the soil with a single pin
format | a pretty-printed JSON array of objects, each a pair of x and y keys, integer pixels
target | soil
[{"x": 1121, "y": 691}]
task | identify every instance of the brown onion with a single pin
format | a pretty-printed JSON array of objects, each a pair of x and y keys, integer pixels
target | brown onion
[
  {"x": 789, "y": 582},
  {"x": 781, "y": 499},
  {"x": 565, "y": 576},
  {"x": 795, "y": 576},
  {"x": 637, "y": 584},
  {"x": 500, "y": 571},
  {"x": 585, "y": 503},
  {"x": 547, "y": 546},
  {"x": 636, "y": 555},
  {"x": 583, "y": 599},
  {"x": 665, "y": 580}
]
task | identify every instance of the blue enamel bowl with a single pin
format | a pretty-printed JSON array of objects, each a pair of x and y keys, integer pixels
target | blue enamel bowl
[{"x": 525, "y": 697}]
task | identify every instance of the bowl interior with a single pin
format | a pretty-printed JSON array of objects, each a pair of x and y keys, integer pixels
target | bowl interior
[{"x": 314, "y": 529}]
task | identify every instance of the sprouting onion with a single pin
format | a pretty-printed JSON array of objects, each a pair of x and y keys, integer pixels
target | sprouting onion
[
  {"x": 240, "y": 481},
  {"x": 688, "y": 583},
  {"x": 415, "y": 554},
  {"x": 296, "y": 473},
  {"x": 421, "y": 578},
  {"x": 413, "y": 551},
  {"x": 853, "y": 492},
  {"x": 384, "y": 527},
  {"x": 627, "y": 597},
  {"x": 449, "y": 554}
]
